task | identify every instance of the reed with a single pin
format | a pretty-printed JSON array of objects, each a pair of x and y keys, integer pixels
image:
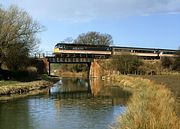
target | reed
[{"x": 152, "y": 106}]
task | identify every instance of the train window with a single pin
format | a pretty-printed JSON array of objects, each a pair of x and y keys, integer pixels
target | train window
[
  {"x": 56, "y": 46},
  {"x": 122, "y": 50},
  {"x": 168, "y": 52},
  {"x": 143, "y": 51}
]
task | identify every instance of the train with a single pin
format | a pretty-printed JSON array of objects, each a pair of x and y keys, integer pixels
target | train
[
  {"x": 146, "y": 53},
  {"x": 98, "y": 51},
  {"x": 82, "y": 50}
]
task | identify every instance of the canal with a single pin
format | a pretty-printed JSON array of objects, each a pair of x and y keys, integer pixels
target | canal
[{"x": 71, "y": 103}]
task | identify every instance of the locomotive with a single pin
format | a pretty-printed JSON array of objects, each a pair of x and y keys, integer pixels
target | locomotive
[{"x": 82, "y": 50}]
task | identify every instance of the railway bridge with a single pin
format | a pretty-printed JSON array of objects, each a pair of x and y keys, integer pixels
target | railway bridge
[
  {"x": 92, "y": 64},
  {"x": 89, "y": 54}
]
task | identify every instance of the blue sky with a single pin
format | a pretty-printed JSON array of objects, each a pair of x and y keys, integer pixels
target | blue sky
[{"x": 131, "y": 23}]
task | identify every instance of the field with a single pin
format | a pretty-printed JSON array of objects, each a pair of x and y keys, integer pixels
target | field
[{"x": 172, "y": 82}]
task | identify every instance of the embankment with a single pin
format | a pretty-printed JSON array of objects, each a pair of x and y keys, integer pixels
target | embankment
[
  {"x": 152, "y": 106},
  {"x": 15, "y": 89}
]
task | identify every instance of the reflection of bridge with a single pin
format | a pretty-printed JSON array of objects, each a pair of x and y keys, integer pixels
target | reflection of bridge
[
  {"x": 65, "y": 92},
  {"x": 96, "y": 89},
  {"x": 72, "y": 95}
]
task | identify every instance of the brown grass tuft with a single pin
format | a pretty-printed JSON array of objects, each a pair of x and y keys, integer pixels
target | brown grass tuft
[{"x": 152, "y": 106}]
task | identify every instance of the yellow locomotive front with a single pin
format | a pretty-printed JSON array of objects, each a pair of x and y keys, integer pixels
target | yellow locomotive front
[{"x": 58, "y": 49}]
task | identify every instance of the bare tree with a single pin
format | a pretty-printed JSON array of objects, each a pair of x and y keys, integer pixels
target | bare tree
[
  {"x": 18, "y": 30},
  {"x": 94, "y": 38}
]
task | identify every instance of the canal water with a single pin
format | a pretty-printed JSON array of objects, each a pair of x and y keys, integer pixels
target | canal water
[{"x": 70, "y": 104}]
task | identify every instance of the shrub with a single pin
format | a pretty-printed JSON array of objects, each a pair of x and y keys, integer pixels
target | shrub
[
  {"x": 176, "y": 65},
  {"x": 167, "y": 62},
  {"x": 126, "y": 63},
  {"x": 151, "y": 67}
]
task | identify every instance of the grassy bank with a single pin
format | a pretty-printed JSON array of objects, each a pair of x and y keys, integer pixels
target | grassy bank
[
  {"x": 18, "y": 87},
  {"x": 152, "y": 105},
  {"x": 22, "y": 87},
  {"x": 171, "y": 81}
]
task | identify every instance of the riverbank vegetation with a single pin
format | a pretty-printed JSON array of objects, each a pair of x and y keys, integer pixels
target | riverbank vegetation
[
  {"x": 22, "y": 87},
  {"x": 129, "y": 64},
  {"x": 25, "y": 88},
  {"x": 152, "y": 106},
  {"x": 171, "y": 63},
  {"x": 172, "y": 82}
]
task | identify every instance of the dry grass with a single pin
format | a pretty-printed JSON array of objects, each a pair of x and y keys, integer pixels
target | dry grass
[
  {"x": 172, "y": 82},
  {"x": 22, "y": 87},
  {"x": 3, "y": 82},
  {"x": 152, "y": 106},
  {"x": 17, "y": 87}
]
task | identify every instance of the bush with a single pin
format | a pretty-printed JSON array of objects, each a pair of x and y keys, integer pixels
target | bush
[
  {"x": 32, "y": 72},
  {"x": 150, "y": 67},
  {"x": 126, "y": 64},
  {"x": 167, "y": 62},
  {"x": 176, "y": 65}
]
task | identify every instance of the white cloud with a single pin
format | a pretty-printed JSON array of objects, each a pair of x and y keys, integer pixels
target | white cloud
[{"x": 85, "y": 10}]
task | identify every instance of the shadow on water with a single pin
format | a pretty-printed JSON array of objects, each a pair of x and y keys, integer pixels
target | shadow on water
[{"x": 77, "y": 88}]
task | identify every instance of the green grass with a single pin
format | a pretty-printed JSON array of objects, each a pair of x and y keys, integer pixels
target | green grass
[{"x": 152, "y": 106}]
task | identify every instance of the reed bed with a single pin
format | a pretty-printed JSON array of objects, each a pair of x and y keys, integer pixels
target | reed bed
[{"x": 152, "y": 106}]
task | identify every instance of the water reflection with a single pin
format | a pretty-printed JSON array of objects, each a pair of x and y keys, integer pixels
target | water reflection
[
  {"x": 14, "y": 116},
  {"x": 77, "y": 88},
  {"x": 73, "y": 113},
  {"x": 73, "y": 88},
  {"x": 71, "y": 104}
]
